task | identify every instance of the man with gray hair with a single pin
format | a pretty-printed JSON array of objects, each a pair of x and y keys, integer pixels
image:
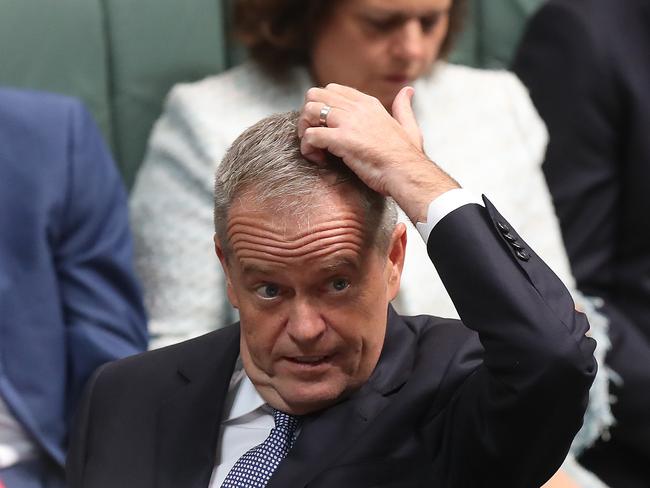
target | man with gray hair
[{"x": 321, "y": 383}]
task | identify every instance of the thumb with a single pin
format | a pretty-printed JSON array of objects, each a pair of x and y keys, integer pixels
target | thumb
[{"x": 403, "y": 113}]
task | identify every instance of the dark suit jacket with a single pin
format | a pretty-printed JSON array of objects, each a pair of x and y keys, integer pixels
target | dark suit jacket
[
  {"x": 68, "y": 297},
  {"x": 446, "y": 406},
  {"x": 587, "y": 65}
]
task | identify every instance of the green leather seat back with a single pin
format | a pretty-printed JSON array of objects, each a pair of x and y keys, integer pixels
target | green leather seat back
[
  {"x": 155, "y": 44},
  {"x": 492, "y": 32},
  {"x": 120, "y": 57},
  {"x": 57, "y": 46}
]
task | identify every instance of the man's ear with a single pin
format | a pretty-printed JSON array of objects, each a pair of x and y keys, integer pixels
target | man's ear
[
  {"x": 226, "y": 271},
  {"x": 395, "y": 261}
]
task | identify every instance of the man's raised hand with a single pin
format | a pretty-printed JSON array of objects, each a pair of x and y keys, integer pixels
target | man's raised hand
[{"x": 384, "y": 151}]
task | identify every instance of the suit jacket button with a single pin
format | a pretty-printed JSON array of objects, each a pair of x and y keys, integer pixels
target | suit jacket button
[
  {"x": 510, "y": 237},
  {"x": 523, "y": 254},
  {"x": 503, "y": 227},
  {"x": 517, "y": 246}
]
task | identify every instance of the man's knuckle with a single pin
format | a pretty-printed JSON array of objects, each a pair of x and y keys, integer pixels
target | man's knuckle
[
  {"x": 311, "y": 94},
  {"x": 309, "y": 135},
  {"x": 375, "y": 101}
]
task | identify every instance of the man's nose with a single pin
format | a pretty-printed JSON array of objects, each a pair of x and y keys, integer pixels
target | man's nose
[
  {"x": 306, "y": 323},
  {"x": 408, "y": 41}
]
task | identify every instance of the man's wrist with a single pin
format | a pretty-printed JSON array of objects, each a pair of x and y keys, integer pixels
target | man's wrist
[
  {"x": 416, "y": 184},
  {"x": 443, "y": 205}
]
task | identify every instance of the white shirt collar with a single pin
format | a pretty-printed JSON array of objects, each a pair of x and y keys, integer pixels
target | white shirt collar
[{"x": 242, "y": 395}]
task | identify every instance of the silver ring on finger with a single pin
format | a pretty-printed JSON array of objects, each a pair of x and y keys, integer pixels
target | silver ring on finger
[{"x": 324, "y": 112}]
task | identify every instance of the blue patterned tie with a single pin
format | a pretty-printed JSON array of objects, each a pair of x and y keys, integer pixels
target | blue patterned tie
[{"x": 255, "y": 467}]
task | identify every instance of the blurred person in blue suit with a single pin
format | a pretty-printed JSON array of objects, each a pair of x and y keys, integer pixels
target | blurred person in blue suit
[{"x": 69, "y": 300}]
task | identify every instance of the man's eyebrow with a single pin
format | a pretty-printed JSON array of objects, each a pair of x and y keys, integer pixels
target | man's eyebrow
[
  {"x": 330, "y": 266},
  {"x": 340, "y": 263},
  {"x": 251, "y": 268}
]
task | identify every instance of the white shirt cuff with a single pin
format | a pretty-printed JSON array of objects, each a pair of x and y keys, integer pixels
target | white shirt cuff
[{"x": 443, "y": 205}]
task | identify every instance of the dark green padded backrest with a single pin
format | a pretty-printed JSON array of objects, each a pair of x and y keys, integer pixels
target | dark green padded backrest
[
  {"x": 122, "y": 56},
  {"x": 492, "y": 32},
  {"x": 58, "y": 46},
  {"x": 155, "y": 44}
]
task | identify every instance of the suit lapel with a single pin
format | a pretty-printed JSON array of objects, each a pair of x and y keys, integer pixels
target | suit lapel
[
  {"x": 188, "y": 422},
  {"x": 326, "y": 435}
]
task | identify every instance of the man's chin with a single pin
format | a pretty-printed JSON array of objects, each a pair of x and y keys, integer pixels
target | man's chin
[{"x": 302, "y": 398}]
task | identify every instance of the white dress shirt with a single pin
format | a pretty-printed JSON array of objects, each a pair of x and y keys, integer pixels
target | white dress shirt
[
  {"x": 248, "y": 420},
  {"x": 15, "y": 444}
]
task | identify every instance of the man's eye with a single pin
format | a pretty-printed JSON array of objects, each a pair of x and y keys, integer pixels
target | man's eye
[
  {"x": 268, "y": 291},
  {"x": 340, "y": 284}
]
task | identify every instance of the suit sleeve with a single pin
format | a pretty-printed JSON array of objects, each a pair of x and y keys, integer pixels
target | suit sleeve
[
  {"x": 101, "y": 300},
  {"x": 562, "y": 63},
  {"x": 76, "y": 458},
  {"x": 520, "y": 409}
]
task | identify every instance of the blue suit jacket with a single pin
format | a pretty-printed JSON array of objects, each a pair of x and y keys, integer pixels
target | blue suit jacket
[{"x": 69, "y": 300}]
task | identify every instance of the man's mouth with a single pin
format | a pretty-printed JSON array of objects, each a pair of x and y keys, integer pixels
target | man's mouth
[{"x": 308, "y": 360}]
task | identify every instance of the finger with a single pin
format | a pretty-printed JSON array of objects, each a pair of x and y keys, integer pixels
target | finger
[
  {"x": 316, "y": 156},
  {"x": 311, "y": 117},
  {"x": 403, "y": 113},
  {"x": 314, "y": 144},
  {"x": 306, "y": 118},
  {"x": 326, "y": 96},
  {"x": 317, "y": 138},
  {"x": 345, "y": 91},
  {"x": 324, "y": 138}
]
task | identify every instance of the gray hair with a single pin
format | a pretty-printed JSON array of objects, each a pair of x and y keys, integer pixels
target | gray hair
[{"x": 265, "y": 163}]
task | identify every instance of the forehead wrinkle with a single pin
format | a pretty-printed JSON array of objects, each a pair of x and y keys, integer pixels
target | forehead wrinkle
[
  {"x": 258, "y": 226},
  {"x": 277, "y": 240},
  {"x": 314, "y": 252},
  {"x": 261, "y": 233},
  {"x": 241, "y": 241}
]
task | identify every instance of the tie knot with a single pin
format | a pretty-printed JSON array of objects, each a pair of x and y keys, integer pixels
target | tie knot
[
  {"x": 256, "y": 466},
  {"x": 285, "y": 422}
]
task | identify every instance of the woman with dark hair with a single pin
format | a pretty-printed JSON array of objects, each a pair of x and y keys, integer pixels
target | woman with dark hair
[
  {"x": 478, "y": 125},
  {"x": 281, "y": 34}
]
